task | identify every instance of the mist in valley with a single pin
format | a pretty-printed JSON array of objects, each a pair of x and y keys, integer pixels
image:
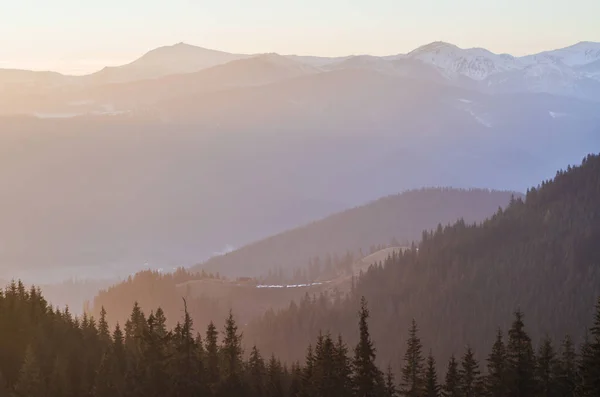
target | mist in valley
[{"x": 358, "y": 209}]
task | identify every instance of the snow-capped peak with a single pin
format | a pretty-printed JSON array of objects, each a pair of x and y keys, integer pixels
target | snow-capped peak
[
  {"x": 476, "y": 63},
  {"x": 579, "y": 54}
]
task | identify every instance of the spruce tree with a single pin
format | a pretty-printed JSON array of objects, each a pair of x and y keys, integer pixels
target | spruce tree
[
  {"x": 231, "y": 352},
  {"x": 547, "y": 370},
  {"x": 589, "y": 368},
  {"x": 307, "y": 389},
  {"x": 432, "y": 387},
  {"x": 295, "y": 389},
  {"x": 212, "y": 357},
  {"x": 322, "y": 367},
  {"x": 61, "y": 382},
  {"x": 274, "y": 384},
  {"x": 451, "y": 386},
  {"x": 367, "y": 376},
  {"x": 567, "y": 376},
  {"x": 103, "y": 329},
  {"x": 105, "y": 385},
  {"x": 231, "y": 349},
  {"x": 495, "y": 381},
  {"x": 469, "y": 375},
  {"x": 412, "y": 384},
  {"x": 520, "y": 360},
  {"x": 119, "y": 360},
  {"x": 184, "y": 364},
  {"x": 160, "y": 322},
  {"x": 256, "y": 373},
  {"x": 390, "y": 383},
  {"x": 342, "y": 370},
  {"x": 30, "y": 382},
  {"x": 154, "y": 360}
]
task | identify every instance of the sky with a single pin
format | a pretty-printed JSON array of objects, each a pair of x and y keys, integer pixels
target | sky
[{"x": 81, "y": 36}]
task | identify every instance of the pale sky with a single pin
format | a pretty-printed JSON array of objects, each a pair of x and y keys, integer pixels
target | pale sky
[{"x": 81, "y": 36}]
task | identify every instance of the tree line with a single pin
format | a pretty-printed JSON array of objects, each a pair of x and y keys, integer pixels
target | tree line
[{"x": 46, "y": 352}]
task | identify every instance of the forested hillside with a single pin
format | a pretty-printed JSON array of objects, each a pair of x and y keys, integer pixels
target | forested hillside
[
  {"x": 401, "y": 217},
  {"x": 463, "y": 281},
  {"x": 49, "y": 353},
  {"x": 321, "y": 251}
]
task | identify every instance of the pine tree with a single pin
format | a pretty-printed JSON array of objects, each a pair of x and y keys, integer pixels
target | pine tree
[
  {"x": 184, "y": 365},
  {"x": 589, "y": 367},
  {"x": 390, "y": 383},
  {"x": 295, "y": 389},
  {"x": 451, "y": 386},
  {"x": 307, "y": 389},
  {"x": 342, "y": 369},
  {"x": 30, "y": 382},
  {"x": 103, "y": 329},
  {"x": 119, "y": 360},
  {"x": 547, "y": 370},
  {"x": 160, "y": 322},
  {"x": 60, "y": 382},
  {"x": 469, "y": 375},
  {"x": 256, "y": 373},
  {"x": 135, "y": 325},
  {"x": 412, "y": 384},
  {"x": 367, "y": 376},
  {"x": 274, "y": 386},
  {"x": 432, "y": 387},
  {"x": 520, "y": 360},
  {"x": 212, "y": 357},
  {"x": 567, "y": 376},
  {"x": 495, "y": 381},
  {"x": 105, "y": 385},
  {"x": 154, "y": 360},
  {"x": 231, "y": 351}
]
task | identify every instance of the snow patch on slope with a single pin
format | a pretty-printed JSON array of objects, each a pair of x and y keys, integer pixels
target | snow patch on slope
[{"x": 475, "y": 63}]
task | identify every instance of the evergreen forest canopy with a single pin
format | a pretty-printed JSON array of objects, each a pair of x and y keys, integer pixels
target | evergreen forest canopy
[
  {"x": 539, "y": 255},
  {"x": 322, "y": 251},
  {"x": 49, "y": 353}
]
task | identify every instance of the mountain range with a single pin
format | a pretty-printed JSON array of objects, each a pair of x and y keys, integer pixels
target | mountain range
[
  {"x": 572, "y": 71},
  {"x": 179, "y": 164}
]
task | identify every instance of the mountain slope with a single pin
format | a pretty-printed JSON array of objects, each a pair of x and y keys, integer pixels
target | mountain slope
[
  {"x": 251, "y": 71},
  {"x": 475, "y": 63},
  {"x": 403, "y": 217},
  {"x": 173, "y": 185},
  {"x": 563, "y": 71},
  {"x": 579, "y": 54},
  {"x": 16, "y": 77},
  {"x": 334, "y": 240},
  {"x": 539, "y": 255},
  {"x": 573, "y": 72},
  {"x": 162, "y": 61}
]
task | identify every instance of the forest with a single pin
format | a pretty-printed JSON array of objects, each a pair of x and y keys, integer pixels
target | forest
[
  {"x": 50, "y": 353},
  {"x": 445, "y": 317},
  {"x": 463, "y": 280},
  {"x": 321, "y": 251}
]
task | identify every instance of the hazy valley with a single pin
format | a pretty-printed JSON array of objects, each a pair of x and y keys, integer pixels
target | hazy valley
[
  {"x": 178, "y": 162},
  {"x": 190, "y": 214}
]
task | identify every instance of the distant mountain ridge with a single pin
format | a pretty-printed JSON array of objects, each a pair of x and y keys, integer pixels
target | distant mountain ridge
[
  {"x": 163, "y": 61},
  {"x": 571, "y": 71}
]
